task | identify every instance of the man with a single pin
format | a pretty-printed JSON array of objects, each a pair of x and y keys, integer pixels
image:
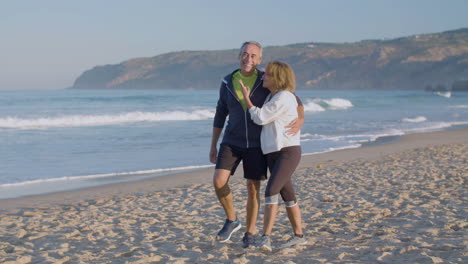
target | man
[{"x": 241, "y": 141}]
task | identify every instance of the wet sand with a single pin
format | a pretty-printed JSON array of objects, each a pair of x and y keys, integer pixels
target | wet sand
[{"x": 402, "y": 202}]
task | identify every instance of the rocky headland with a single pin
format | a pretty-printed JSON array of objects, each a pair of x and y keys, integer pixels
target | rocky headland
[{"x": 413, "y": 62}]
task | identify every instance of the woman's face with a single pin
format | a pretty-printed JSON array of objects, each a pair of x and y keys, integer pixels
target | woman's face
[{"x": 268, "y": 81}]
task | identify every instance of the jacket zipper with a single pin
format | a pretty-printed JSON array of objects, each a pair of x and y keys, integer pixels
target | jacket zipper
[
  {"x": 245, "y": 117},
  {"x": 245, "y": 114},
  {"x": 245, "y": 111}
]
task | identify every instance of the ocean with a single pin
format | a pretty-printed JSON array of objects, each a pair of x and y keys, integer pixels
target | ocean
[{"x": 58, "y": 140}]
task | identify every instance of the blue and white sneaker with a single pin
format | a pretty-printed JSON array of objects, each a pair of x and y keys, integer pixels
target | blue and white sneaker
[{"x": 227, "y": 230}]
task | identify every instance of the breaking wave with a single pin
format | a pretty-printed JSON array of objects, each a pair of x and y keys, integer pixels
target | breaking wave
[
  {"x": 418, "y": 119},
  {"x": 101, "y": 120},
  {"x": 320, "y": 105}
]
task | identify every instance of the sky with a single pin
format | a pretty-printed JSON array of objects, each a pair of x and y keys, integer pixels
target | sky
[{"x": 47, "y": 44}]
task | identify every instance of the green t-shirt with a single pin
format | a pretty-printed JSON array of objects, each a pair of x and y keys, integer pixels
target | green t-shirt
[{"x": 248, "y": 81}]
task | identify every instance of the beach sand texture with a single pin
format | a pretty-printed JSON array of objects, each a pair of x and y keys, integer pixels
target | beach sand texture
[{"x": 399, "y": 203}]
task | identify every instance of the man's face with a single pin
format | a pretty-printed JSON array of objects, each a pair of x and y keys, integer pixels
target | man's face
[{"x": 250, "y": 59}]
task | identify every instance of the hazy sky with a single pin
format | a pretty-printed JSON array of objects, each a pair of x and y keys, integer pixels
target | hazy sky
[{"x": 48, "y": 44}]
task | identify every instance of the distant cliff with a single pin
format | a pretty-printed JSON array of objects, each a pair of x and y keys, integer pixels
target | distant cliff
[{"x": 411, "y": 62}]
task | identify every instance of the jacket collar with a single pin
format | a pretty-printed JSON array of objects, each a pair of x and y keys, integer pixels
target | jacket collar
[{"x": 228, "y": 80}]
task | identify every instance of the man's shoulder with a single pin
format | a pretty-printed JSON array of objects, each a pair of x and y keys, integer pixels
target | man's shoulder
[{"x": 228, "y": 78}]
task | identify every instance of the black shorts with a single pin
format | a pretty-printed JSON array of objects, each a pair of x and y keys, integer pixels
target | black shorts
[{"x": 253, "y": 161}]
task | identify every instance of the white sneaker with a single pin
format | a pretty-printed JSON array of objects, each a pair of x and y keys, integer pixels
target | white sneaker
[
  {"x": 295, "y": 240},
  {"x": 265, "y": 243}
]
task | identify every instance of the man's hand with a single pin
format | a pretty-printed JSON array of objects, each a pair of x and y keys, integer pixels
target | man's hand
[
  {"x": 213, "y": 155},
  {"x": 214, "y": 142},
  {"x": 294, "y": 126}
]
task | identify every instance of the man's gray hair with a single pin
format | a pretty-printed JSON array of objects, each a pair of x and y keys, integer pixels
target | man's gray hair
[{"x": 253, "y": 43}]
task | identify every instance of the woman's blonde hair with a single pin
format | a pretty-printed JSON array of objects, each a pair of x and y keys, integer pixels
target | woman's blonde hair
[{"x": 282, "y": 75}]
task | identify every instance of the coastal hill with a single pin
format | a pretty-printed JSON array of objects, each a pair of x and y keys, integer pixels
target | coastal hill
[{"x": 414, "y": 62}]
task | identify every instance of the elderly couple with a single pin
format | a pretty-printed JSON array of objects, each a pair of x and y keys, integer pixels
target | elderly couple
[{"x": 263, "y": 131}]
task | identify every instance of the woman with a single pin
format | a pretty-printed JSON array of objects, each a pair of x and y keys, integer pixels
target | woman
[{"x": 283, "y": 151}]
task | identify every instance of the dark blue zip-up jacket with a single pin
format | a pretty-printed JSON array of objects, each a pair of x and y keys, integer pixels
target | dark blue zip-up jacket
[{"x": 240, "y": 131}]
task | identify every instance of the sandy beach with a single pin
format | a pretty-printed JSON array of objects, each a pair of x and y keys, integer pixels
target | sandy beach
[{"x": 401, "y": 202}]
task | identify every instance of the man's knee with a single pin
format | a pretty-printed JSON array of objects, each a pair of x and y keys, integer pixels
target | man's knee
[
  {"x": 221, "y": 179},
  {"x": 253, "y": 187}
]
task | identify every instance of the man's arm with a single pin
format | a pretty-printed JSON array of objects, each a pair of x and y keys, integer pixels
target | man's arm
[
  {"x": 218, "y": 124},
  {"x": 214, "y": 142}
]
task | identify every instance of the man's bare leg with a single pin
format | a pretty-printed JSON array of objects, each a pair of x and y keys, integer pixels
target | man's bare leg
[
  {"x": 253, "y": 205},
  {"x": 231, "y": 225},
  {"x": 221, "y": 185}
]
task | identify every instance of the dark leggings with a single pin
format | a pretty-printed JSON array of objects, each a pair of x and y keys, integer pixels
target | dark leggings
[{"x": 282, "y": 165}]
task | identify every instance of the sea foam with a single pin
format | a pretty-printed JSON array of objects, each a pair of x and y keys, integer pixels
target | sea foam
[
  {"x": 418, "y": 119},
  {"x": 101, "y": 120},
  {"x": 105, "y": 175}
]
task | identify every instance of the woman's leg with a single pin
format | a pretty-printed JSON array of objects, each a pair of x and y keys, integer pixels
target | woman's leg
[
  {"x": 271, "y": 193},
  {"x": 282, "y": 165},
  {"x": 295, "y": 218},
  {"x": 288, "y": 193},
  {"x": 294, "y": 215},
  {"x": 269, "y": 218}
]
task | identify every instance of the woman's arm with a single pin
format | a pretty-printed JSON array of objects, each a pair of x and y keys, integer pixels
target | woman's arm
[{"x": 270, "y": 111}]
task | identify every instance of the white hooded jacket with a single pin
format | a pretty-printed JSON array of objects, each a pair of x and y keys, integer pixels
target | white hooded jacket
[{"x": 276, "y": 113}]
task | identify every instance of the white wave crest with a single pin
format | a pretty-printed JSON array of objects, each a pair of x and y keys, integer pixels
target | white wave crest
[
  {"x": 418, "y": 119},
  {"x": 435, "y": 126},
  {"x": 338, "y": 103},
  {"x": 313, "y": 107},
  {"x": 459, "y": 106},
  {"x": 353, "y": 138},
  {"x": 99, "y": 120},
  {"x": 320, "y": 105},
  {"x": 447, "y": 94},
  {"x": 309, "y": 135}
]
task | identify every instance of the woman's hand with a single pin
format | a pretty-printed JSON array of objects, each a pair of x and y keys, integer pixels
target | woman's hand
[
  {"x": 245, "y": 89},
  {"x": 246, "y": 92}
]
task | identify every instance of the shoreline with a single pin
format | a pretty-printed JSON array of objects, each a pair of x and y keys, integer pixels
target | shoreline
[
  {"x": 369, "y": 151},
  {"x": 76, "y": 183}
]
